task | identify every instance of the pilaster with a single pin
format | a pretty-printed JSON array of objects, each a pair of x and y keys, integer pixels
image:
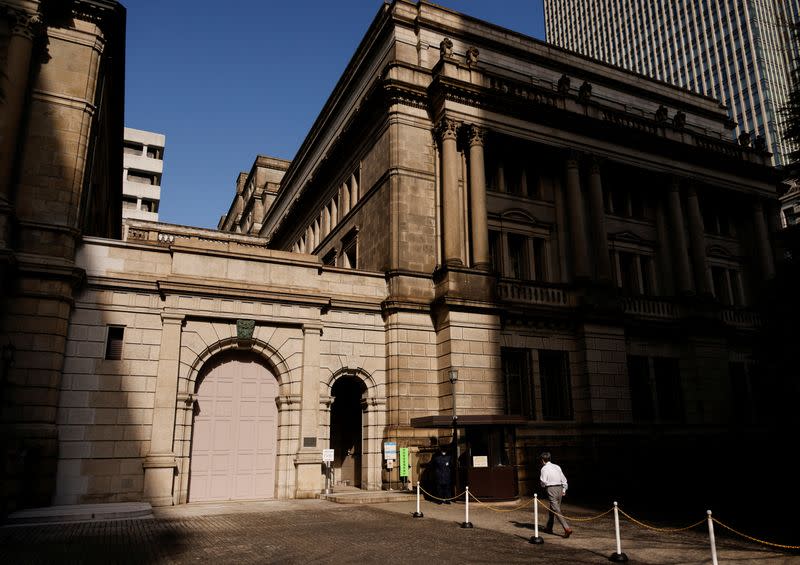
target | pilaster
[
  {"x": 161, "y": 464},
  {"x": 477, "y": 197},
  {"x": 451, "y": 201},
  {"x": 577, "y": 221}
]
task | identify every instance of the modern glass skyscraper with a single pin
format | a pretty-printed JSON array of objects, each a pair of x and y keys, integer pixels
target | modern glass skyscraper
[{"x": 738, "y": 51}]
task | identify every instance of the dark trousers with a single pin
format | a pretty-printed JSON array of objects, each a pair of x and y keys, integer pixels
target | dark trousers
[{"x": 554, "y": 495}]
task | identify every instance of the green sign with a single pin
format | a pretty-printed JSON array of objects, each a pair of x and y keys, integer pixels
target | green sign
[{"x": 403, "y": 461}]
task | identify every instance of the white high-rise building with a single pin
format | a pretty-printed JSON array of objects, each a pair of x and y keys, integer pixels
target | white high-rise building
[
  {"x": 143, "y": 165},
  {"x": 737, "y": 51}
]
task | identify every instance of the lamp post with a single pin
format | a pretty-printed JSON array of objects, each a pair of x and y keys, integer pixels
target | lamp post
[{"x": 453, "y": 379}]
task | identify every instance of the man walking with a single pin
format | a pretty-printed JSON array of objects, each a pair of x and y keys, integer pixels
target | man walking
[{"x": 554, "y": 482}]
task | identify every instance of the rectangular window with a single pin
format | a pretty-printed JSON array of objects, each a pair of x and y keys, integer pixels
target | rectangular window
[
  {"x": 518, "y": 257},
  {"x": 154, "y": 152},
  {"x": 641, "y": 388},
  {"x": 669, "y": 396},
  {"x": 517, "y": 377},
  {"x": 131, "y": 148},
  {"x": 496, "y": 251},
  {"x": 556, "y": 386},
  {"x": 349, "y": 256},
  {"x": 539, "y": 259},
  {"x": 114, "y": 339}
]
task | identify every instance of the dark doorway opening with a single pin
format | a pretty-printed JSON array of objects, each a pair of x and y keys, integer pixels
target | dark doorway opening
[{"x": 346, "y": 424}]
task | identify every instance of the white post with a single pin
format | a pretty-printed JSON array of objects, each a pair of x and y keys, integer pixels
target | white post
[
  {"x": 711, "y": 538},
  {"x": 417, "y": 514},
  {"x": 467, "y": 523},
  {"x": 617, "y": 557},
  {"x": 536, "y": 539},
  {"x": 466, "y": 507}
]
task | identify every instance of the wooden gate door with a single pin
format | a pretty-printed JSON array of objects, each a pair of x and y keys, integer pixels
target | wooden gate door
[{"x": 234, "y": 437}]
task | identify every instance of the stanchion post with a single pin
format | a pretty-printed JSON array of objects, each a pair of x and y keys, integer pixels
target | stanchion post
[
  {"x": 466, "y": 523},
  {"x": 712, "y": 539},
  {"x": 536, "y": 539},
  {"x": 417, "y": 514},
  {"x": 617, "y": 557}
]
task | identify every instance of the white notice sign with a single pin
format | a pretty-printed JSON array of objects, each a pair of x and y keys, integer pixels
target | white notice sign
[
  {"x": 327, "y": 455},
  {"x": 389, "y": 450},
  {"x": 480, "y": 461}
]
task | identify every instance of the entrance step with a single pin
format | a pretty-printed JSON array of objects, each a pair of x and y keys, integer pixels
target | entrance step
[
  {"x": 357, "y": 496},
  {"x": 82, "y": 513}
]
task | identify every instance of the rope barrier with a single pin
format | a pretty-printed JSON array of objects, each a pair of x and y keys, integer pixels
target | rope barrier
[
  {"x": 501, "y": 510},
  {"x": 456, "y": 497},
  {"x": 466, "y": 494},
  {"x": 781, "y": 546},
  {"x": 575, "y": 518},
  {"x": 655, "y": 529}
]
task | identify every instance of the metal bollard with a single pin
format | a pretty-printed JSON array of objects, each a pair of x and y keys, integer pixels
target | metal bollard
[
  {"x": 617, "y": 557},
  {"x": 536, "y": 539},
  {"x": 417, "y": 514},
  {"x": 712, "y": 539},
  {"x": 466, "y": 523}
]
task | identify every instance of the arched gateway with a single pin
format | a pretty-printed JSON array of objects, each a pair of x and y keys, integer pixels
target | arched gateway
[{"x": 235, "y": 423}]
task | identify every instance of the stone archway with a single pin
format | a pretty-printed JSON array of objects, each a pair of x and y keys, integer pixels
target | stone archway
[
  {"x": 234, "y": 429},
  {"x": 347, "y": 436}
]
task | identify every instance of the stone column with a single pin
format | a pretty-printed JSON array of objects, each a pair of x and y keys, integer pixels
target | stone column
[
  {"x": 160, "y": 463},
  {"x": 766, "y": 260},
  {"x": 599, "y": 235},
  {"x": 697, "y": 242},
  {"x": 14, "y": 87},
  {"x": 678, "y": 245},
  {"x": 309, "y": 240},
  {"x": 353, "y": 191},
  {"x": 345, "y": 197},
  {"x": 477, "y": 200},
  {"x": 577, "y": 221},
  {"x": 451, "y": 208},
  {"x": 308, "y": 460}
]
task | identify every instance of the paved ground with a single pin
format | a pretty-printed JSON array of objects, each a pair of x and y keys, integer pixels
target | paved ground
[{"x": 315, "y": 531}]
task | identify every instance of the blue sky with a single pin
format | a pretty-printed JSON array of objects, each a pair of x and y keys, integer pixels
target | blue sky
[{"x": 227, "y": 81}]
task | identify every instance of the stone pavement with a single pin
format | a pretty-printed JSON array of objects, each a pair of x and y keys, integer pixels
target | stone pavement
[{"x": 319, "y": 531}]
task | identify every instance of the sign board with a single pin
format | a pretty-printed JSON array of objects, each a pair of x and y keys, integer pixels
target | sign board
[
  {"x": 327, "y": 455},
  {"x": 389, "y": 450},
  {"x": 390, "y": 463},
  {"x": 403, "y": 461},
  {"x": 480, "y": 461}
]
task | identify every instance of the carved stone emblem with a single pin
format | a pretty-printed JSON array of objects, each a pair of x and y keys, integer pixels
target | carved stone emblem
[
  {"x": 563, "y": 84},
  {"x": 585, "y": 92},
  {"x": 472, "y": 56},
  {"x": 679, "y": 120},
  {"x": 744, "y": 139},
  {"x": 760, "y": 143},
  {"x": 662, "y": 114},
  {"x": 245, "y": 328},
  {"x": 446, "y": 48}
]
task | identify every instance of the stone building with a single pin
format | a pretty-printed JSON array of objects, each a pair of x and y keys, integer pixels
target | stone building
[
  {"x": 479, "y": 229},
  {"x": 60, "y": 179},
  {"x": 142, "y": 169}
]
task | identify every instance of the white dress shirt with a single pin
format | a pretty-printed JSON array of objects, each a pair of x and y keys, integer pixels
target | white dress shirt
[{"x": 553, "y": 476}]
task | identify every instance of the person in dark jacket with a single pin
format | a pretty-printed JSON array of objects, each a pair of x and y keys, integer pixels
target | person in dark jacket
[{"x": 443, "y": 474}]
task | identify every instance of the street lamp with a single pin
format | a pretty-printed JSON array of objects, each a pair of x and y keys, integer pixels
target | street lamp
[{"x": 453, "y": 379}]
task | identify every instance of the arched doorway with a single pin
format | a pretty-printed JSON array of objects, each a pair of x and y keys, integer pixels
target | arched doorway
[
  {"x": 235, "y": 426},
  {"x": 346, "y": 426}
]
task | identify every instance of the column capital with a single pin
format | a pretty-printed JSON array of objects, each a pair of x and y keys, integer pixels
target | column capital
[
  {"x": 573, "y": 159},
  {"x": 312, "y": 328},
  {"x": 172, "y": 318},
  {"x": 26, "y": 25},
  {"x": 476, "y": 135},
  {"x": 447, "y": 129},
  {"x": 595, "y": 164}
]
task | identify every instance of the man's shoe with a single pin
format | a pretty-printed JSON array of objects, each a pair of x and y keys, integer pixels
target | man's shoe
[{"x": 567, "y": 533}]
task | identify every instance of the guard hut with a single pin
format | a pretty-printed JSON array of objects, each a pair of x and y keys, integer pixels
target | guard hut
[{"x": 484, "y": 451}]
